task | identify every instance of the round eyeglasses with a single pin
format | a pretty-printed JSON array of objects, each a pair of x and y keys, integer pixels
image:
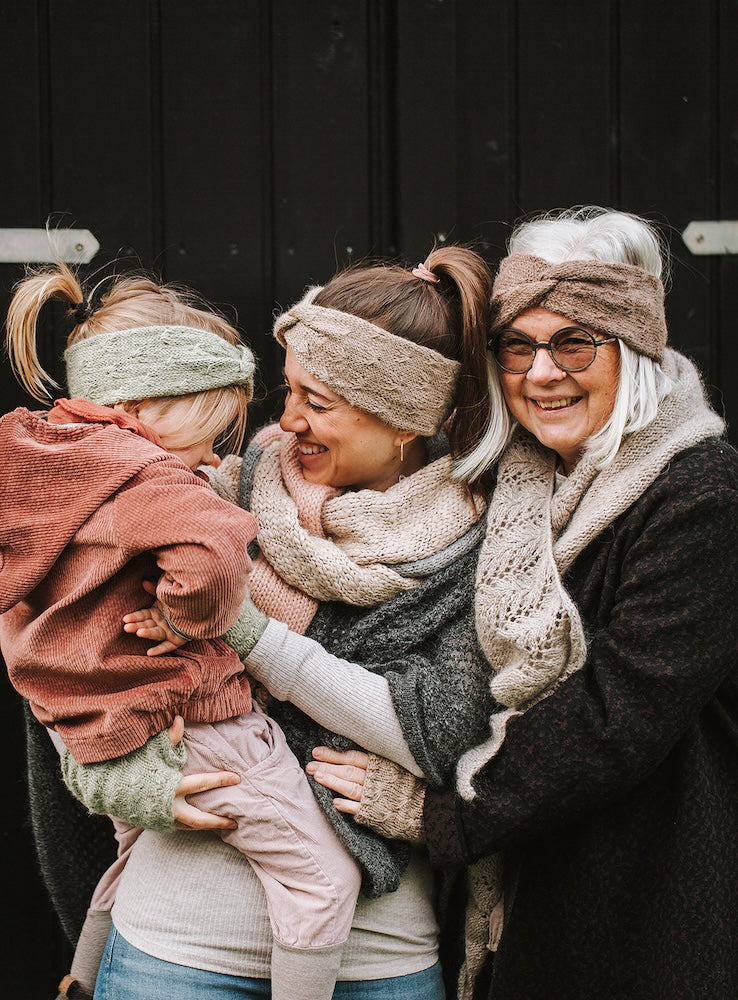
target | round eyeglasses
[{"x": 572, "y": 349}]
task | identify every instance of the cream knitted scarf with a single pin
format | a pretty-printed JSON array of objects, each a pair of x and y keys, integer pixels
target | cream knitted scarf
[
  {"x": 320, "y": 544},
  {"x": 527, "y": 624}
]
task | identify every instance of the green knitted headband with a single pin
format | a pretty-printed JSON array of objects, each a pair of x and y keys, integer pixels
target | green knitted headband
[{"x": 150, "y": 361}]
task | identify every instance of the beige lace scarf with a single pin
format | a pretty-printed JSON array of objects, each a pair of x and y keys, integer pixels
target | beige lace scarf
[{"x": 527, "y": 624}]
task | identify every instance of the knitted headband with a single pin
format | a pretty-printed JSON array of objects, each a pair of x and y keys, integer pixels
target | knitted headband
[
  {"x": 409, "y": 386},
  {"x": 617, "y": 300},
  {"x": 149, "y": 361}
]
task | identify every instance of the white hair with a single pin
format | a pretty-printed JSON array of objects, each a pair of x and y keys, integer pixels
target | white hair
[{"x": 588, "y": 233}]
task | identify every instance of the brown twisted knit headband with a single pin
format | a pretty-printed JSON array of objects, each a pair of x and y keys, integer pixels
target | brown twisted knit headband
[
  {"x": 411, "y": 387},
  {"x": 617, "y": 300}
]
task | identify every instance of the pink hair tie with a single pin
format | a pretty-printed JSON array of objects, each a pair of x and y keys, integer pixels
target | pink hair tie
[{"x": 422, "y": 272}]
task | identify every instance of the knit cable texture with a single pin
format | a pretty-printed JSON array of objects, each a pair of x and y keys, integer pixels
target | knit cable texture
[
  {"x": 409, "y": 386},
  {"x": 615, "y": 300},
  {"x": 138, "y": 787},
  {"x": 392, "y": 801},
  {"x": 246, "y": 631},
  {"x": 155, "y": 361}
]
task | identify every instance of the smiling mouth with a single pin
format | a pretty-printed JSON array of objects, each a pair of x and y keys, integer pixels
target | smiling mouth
[
  {"x": 312, "y": 449},
  {"x": 555, "y": 404}
]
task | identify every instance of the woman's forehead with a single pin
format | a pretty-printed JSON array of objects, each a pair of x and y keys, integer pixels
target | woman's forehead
[{"x": 299, "y": 378}]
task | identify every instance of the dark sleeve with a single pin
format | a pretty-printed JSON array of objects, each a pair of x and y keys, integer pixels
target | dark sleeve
[
  {"x": 73, "y": 848},
  {"x": 668, "y": 643}
]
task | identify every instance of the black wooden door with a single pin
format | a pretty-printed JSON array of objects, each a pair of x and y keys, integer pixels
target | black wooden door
[{"x": 250, "y": 147}]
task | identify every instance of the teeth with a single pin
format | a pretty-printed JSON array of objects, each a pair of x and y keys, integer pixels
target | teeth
[
  {"x": 311, "y": 449},
  {"x": 555, "y": 404}
]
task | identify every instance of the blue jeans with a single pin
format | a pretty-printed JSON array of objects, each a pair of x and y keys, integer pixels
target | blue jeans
[{"x": 129, "y": 974}]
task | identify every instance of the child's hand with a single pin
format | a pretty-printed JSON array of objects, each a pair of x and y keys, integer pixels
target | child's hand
[{"x": 150, "y": 623}]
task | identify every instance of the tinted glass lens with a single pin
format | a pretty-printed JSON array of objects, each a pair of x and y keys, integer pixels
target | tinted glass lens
[
  {"x": 513, "y": 351},
  {"x": 572, "y": 349}
]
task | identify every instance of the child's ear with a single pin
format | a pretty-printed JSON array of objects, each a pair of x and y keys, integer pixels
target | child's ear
[{"x": 130, "y": 406}]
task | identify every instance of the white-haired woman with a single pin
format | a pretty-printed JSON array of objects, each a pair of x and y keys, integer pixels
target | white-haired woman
[{"x": 603, "y": 805}]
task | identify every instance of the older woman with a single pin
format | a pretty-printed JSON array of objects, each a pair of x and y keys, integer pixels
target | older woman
[
  {"x": 607, "y": 594},
  {"x": 368, "y": 545}
]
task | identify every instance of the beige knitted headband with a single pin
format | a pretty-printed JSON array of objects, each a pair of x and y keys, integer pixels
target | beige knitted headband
[
  {"x": 409, "y": 386},
  {"x": 617, "y": 300}
]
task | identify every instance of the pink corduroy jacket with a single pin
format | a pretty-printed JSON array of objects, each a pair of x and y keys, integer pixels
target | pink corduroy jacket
[{"x": 88, "y": 511}]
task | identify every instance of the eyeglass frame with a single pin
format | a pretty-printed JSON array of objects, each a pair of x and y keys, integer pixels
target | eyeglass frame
[{"x": 536, "y": 344}]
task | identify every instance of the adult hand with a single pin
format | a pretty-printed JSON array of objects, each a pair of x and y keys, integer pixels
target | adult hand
[
  {"x": 341, "y": 772},
  {"x": 375, "y": 791},
  {"x": 187, "y": 816}
]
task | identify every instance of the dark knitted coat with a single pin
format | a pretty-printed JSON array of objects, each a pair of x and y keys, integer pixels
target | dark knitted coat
[
  {"x": 615, "y": 800},
  {"x": 72, "y": 847}
]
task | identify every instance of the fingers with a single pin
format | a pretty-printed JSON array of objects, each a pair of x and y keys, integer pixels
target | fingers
[
  {"x": 346, "y": 780},
  {"x": 148, "y": 630},
  {"x": 163, "y": 647},
  {"x": 190, "y": 784},
  {"x": 345, "y": 806},
  {"x": 357, "y": 758},
  {"x": 176, "y": 730},
  {"x": 141, "y": 617},
  {"x": 341, "y": 772},
  {"x": 188, "y": 817}
]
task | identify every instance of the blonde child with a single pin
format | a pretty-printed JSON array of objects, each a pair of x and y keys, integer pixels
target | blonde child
[{"x": 101, "y": 494}]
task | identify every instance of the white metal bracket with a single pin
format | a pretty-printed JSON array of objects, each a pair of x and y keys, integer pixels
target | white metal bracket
[
  {"x": 44, "y": 246},
  {"x": 711, "y": 237}
]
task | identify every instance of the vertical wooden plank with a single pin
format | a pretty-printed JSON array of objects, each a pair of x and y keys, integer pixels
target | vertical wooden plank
[
  {"x": 667, "y": 161},
  {"x": 321, "y": 141},
  {"x": 29, "y": 968},
  {"x": 22, "y": 194},
  {"x": 486, "y": 146},
  {"x": 101, "y": 111},
  {"x": 381, "y": 63},
  {"x": 726, "y": 138},
  {"x": 214, "y": 145},
  {"x": 426, "y": 125},
  {"x": 565, "y": 109},
  {"x": 100, "y": 87}
]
